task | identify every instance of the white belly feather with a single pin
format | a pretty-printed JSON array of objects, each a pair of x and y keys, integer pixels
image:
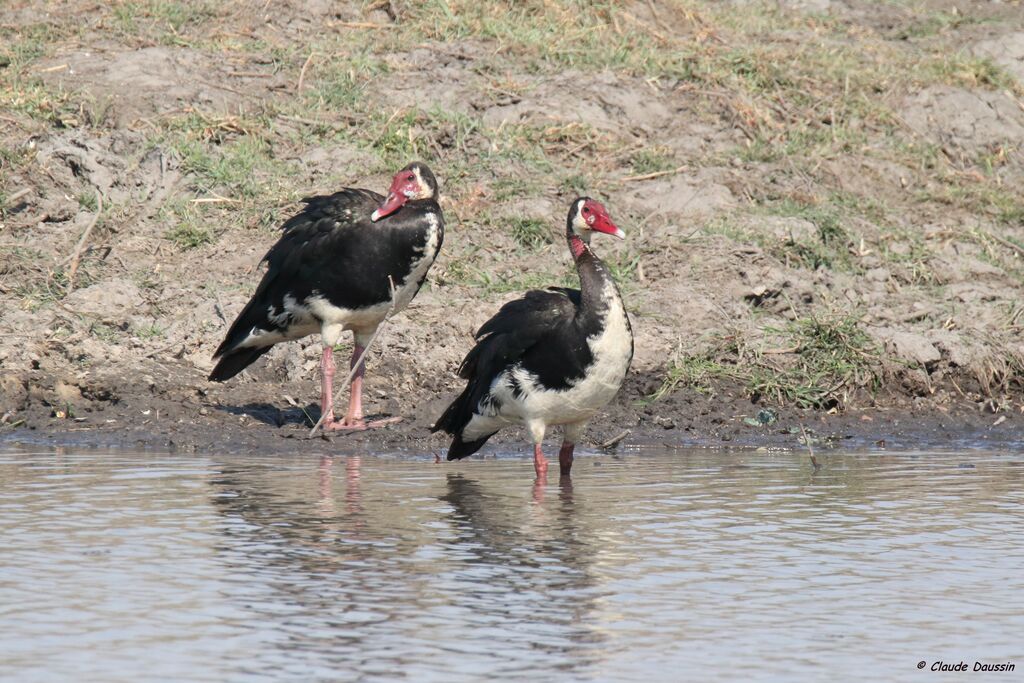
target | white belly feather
[
  {"x": 318, "y": 313},
  {"x": 612, "y": 351}
]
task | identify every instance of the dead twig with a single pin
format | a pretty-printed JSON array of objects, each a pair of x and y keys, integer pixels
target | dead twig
[
  {"x": 649, "y": 176},
  {"x": 302, "y": 73},
  {"x": 387, "y": 123},
  {"x": 358, "y": 24},
  {"x": 657, "y": 17},
  {"x": 362, "y": 357},
  {"x": 614, "y": 441},
  {"x": 18, "y": 195},
  {"x": 324, "y": 124},
  {"x": 77, "y": 254},
  {"x": 807, "y": 442},
  {"x": 775, "y": 352},
  {"x": 216, "y": 199},
  {"x": 1006, "y": 243}
]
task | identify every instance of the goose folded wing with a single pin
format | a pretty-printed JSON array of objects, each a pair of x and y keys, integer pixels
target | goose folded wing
[
  {"x": 317, "y": 233},
  {"x": 516, "y": 328}
]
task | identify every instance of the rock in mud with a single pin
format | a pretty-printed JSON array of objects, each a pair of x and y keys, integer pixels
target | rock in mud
[
  {"x": 1007, "y": 51},
  {"x": 681, "y": 195},
  {"x": 913, "y": 347},
  {"x": 13, "y": 392},
  {"x": 147, "y": 81},
  {"x": 67, "y": 393},
  {"x": 114, "y": 299},
  {"x": 969, "y": 119},
  {"x": 787, "y": 229},
  {"x": 610, "y": 104}
]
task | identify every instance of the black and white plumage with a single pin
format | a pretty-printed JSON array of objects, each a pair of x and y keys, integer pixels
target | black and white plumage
[
  {"x": 333, "y": 270},
  {"x": 553, "y": 357}
]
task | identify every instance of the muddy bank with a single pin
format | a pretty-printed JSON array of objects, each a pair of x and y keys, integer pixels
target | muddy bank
[
  {"x": 857, "y": 268},
  {"x": 204, "y": 419}
]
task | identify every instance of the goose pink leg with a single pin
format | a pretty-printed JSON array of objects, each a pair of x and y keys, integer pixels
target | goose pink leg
[
  {"x": 565, "y": 458},
  {"x": 540, "y": 463},
  {"x": 353, "y": 420}
]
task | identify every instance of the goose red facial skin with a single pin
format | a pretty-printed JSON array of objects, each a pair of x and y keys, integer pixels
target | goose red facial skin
[
  {"x": 597, "y": 218},
  {"x": 403, "y": 188}
]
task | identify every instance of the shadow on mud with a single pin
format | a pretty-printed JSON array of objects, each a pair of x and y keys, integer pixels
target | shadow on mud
[{"x": 270, "y": 414}]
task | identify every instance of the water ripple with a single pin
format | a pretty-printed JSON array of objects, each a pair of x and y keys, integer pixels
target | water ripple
[{"x": 713, "y": 566}]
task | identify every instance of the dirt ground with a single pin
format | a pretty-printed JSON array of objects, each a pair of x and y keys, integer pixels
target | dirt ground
[{"x": 822, "y": 201}]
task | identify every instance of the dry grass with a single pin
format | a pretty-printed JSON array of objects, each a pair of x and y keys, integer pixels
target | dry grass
[{"x": 807, "y": 93}]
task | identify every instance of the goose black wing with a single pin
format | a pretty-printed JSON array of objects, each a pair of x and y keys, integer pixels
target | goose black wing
[
  {"x": 517, "y": 329},
  {"x": 314, "y": 248}
]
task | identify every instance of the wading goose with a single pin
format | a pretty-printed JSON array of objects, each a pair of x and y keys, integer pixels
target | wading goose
[
  {"x": 333, "y": 270},
  {"x": 553, "y": 357}
]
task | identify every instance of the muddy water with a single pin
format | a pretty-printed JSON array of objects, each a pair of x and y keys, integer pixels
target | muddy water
[{"x": 653, "y": 566}]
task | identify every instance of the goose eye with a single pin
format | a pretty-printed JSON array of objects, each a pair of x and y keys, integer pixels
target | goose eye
[
  {"x": 586, "y": 209},
  {"x": 410, "y": 177}
]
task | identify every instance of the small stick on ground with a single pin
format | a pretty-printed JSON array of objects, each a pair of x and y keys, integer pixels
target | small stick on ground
[
  {"x": 387, "y": 123},
  {"x": 295, "y": 404},
  {"x": 157, "y": 352},
  {"x": 18, "y": 195},
  {"x": 807, "y": 442},
  {"x": 302, "y": 73},
  {"x": 657, "y": 18},
  {"x": 614, "y": 441},
  {"x": 1007, "y": 243},
  {"x": 216, "y": 199},
  {"x": 649, "y": 176},
  {"x": 77, "y": 254},
  {"x": 362, "y": 356},
  {"x": 358, "y": 24}
]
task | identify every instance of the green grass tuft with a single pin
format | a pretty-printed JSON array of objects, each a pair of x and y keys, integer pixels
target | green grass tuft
[
  {"x": 530, "y": 232},
  {"x": 818, "y": 361},
  {"x": 652, "y": 160}
]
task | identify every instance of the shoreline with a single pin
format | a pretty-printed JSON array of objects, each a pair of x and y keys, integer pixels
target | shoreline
[
  {"x": 867, "y": 264},
  {"x": 686, "y": 420}
]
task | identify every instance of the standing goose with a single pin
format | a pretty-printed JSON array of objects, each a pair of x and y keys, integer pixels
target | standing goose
[
  {"x": 333, "y": 270},
  {"x": 554, "y": 357}
]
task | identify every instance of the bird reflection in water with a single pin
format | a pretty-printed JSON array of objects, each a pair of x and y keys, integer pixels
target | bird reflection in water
[
  {"x": 324, "y": 556},
  {"x": 366, "y": 568},
  {"x": 537, "y": 563},
  {"x": 326, "y": 488},
  {"x": 540, "y": 485},
  {"x": 326, "y": 471}
]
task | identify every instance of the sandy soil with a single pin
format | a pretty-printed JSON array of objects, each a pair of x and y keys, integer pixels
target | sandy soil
[{"x": 121, "y": 357}]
